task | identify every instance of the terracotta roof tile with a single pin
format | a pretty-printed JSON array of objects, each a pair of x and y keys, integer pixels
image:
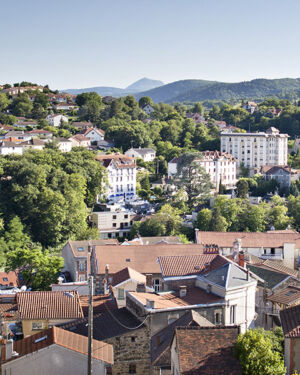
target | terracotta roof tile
[
  {"x": 207, "y": 350},
  {"x": 100, "y": 304},
  {"x": 49, "y": 305},
  {"x": 287, "y": 296},
  {"x": 126, "y": 274},
  {"x": 190, "y": 264},
  {"x": 290, "y": 320},
  {"x": 66, "y": 339},
  {"x": 277, "y": 266},
  {"x": 80, "y": 248},
  {"x": 141, "y": 258},
  {"x": 248, "y": 239}
]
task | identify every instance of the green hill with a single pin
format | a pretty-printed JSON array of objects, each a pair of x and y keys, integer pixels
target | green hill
[{"x": 198, "y": 90}]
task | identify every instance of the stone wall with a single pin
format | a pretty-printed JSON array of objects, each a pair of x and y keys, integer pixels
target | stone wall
[{"x": 131, "y": 350}]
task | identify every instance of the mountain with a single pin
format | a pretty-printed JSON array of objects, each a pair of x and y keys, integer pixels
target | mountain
[
  {"x": 144, "y": 84},
  {"x": 172, "y": 90},
  {"x": 199, "y": 90}
]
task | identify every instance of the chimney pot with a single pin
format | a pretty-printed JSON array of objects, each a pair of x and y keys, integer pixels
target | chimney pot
[
  {"x": 149, "y": 303},
  {"x": 141, "y": 288},
  {"x": 182, "y": 291}
]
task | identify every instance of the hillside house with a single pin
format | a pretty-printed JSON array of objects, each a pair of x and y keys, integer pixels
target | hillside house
[{"x": 147, "y": 154}]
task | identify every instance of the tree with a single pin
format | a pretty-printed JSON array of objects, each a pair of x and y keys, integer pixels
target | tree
[
  {"x": 21, "y": 105},
  {"x": 242, "y": 188},
  {"x": 204, "y": 218},
  {"x": 14, "y": 236},
  {"x": 38, "y": 269},
  {"x": 256, "y": 353},
  {"x": 4, "y": 101},
  {"x": 218, "y": 223},
  {"x": 198, "y": 108},
  {"x": 192, "y": 178}
]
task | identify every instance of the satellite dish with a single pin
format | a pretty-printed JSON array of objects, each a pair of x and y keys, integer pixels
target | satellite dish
[{"x": 23, "y": 288}]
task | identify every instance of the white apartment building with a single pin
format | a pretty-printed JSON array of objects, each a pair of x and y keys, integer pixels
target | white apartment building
[
  {"x": 257, "y": 149},
  {"x": 220, "y": 166},
  {"x": 56, "y": 120},
  {"x": 121, "y": 176},
  {"x": 113, "y": 223}
]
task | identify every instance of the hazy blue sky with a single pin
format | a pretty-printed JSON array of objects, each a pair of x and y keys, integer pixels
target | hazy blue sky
[{"x": 77, "y": 43}]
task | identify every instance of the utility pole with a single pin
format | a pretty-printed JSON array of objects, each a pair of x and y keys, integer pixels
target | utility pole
[{"x": 90, "y": 326}]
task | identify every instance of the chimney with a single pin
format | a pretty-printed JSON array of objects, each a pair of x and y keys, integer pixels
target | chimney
[
  {"x": 149, "y": 303},
  {"x": 9, "y": 349},
  {"x": 241, "y": 259},
  {"x": 106, "y": 272},
  {"x": 105, "y": 287},
  {"x": 196, "y": 235},
  {"x": 182, "y": 291},
  {"x": 141, "y": 288},
  {"x": 149, "y": 281}
]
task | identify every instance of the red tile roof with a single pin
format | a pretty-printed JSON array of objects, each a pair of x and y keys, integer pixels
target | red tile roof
[
  {"x": 49, "y": 305},
  {"x": 126, "y": 274},
  {"x": 100, "y": 304},
  {"x": 190, "y": 264},
  {"x": 288, "y": 296},
  {"x": 248, "y": 239},
  {"x": 66, "y": 339},
  {"x": 141, "y": 258},
  {"x": 290, "y": 320},
  {"x": 207, "y": 350},
  {"x": 277, "y": 266}
]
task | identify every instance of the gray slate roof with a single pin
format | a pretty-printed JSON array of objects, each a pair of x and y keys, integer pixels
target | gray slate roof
[
  {"x": 228, "y": 276},
  {"x": 272, "y": 278}
]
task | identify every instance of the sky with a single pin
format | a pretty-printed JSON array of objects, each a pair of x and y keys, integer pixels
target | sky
[{"x": 78, "y": 44}]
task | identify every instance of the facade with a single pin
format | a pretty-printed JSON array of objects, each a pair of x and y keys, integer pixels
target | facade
[
  {"x": 95, "y": 135},
  {"x": 112, "y": 224},
  {"x": 290, "y": 320},
  {"x": 65, "y": 145},
  {"x": 42, "y": 310},
  {"x": 148, "y": 109},
  {"x": 8, "y": 148},
  {"x": 121, "y": 176},
  {"x": 256, "y": 149},
  {"x": 220, "y": 166},
  {"x": 33, "y": 144},
  {"x": 55, "y": 351},
  {"x": 283, "y": 174},
  {"x": 76, "y": 256},
  {"x": 147, "y": 154},
  {"x": 127, "y": 280},
  {"x": 79, "y": 140},
  {"x": 204, "y": 350},
  {"x": 281, "y": 246},
  {"x": 56, "y": 120}
]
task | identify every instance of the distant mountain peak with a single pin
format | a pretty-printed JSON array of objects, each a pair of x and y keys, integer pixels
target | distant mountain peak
[{"x": 144, "y": 84}]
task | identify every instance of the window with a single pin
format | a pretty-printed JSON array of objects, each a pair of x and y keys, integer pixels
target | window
[
  {"x": 172, "y": 318},
  {"x": 81, "y": 278},
  {"x": 125, "y": 216},
  {"x": 232, "y": 314},
  {"x": 157, "y": 285},
  {"x": 273, "y": 251},
  {"x": 132, "y": 339},
  {"x": 80, "y": 248},
  {"x": 81, "y": 266},
  {"x": 121, "y": 293},
  {"x": 114, "y": 217},
  {"x": 217, "y": 318},
  {"x": 36, "y": 326},
  {"x": 114, "y": 225},
  {"x": 132, "y": 368},
  {"x": 5, "y": 279}
]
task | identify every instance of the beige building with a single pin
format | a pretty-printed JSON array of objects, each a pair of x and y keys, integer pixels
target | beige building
[
  {"x": 42, "y": 310},
  {"x": 256, "y": 149},
  {"x": 75, "y": 254},
  {"x": 55, "y": 351},
  {"x": 128, "y": 280}
]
